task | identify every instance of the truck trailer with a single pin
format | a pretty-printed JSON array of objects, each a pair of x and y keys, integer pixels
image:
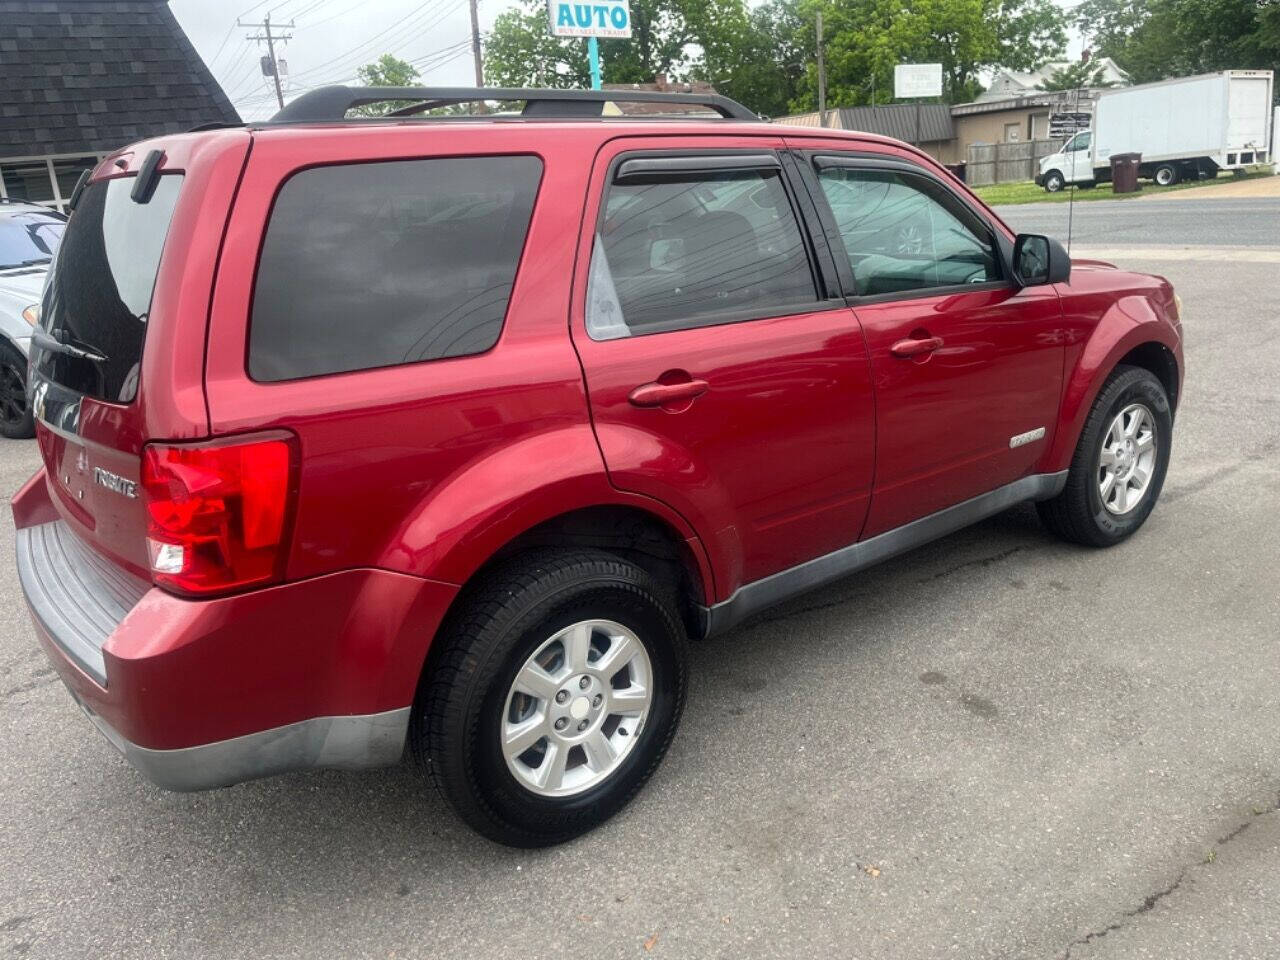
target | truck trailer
[{"x": 1188, "y": 128}]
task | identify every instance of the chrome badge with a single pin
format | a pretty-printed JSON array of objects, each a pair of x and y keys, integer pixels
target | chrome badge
[
  {"x": 115, "y": 483},
  {"x": 1023, "y": 439}
]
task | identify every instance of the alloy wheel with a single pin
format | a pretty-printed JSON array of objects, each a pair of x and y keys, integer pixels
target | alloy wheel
[
  {"x": 13, "y": 393},
  {"x": 576, "y": 708},
  {"x": 1127, "y": 460}
]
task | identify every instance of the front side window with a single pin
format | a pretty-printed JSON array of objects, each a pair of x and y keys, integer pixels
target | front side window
[
  {"x": 903, "y": 233},
  {"x": 1080, "y": 142},
  {"x": 681, "y": 249},
  {"x": 380, "y": 264}
]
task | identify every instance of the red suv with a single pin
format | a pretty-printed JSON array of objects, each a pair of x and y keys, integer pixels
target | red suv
[{"x": 450, "y": 432}]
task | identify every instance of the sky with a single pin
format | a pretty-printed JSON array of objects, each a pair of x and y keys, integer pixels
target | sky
[{"x": 329, "y": 39}]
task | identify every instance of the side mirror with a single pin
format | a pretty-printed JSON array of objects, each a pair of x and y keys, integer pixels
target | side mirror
[{"x": 1039, "y": 260}]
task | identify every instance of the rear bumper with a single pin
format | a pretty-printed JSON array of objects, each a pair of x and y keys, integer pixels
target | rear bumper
[
  {"x": 198, "y": 694},
  {"x": 350, "y": 743}
]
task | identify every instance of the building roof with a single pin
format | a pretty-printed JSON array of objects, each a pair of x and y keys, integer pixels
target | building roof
[
  {"x": 1009, "y": 83},
  {"x": 898, "y": 120},
  {"x": 1018, "y": 103},
  {"x": 88, "y": 76}
]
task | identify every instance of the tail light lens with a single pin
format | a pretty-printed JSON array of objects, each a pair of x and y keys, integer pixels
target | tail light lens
[{"x": 217, "y": 514}]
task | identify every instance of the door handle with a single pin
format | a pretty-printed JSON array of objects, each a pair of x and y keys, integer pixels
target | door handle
[
  {"x": 661, "y": 394},
  {"x": 913, "y": 348}
]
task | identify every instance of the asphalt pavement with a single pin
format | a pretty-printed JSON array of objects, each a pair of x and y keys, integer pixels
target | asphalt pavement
[{"x": 997, "y": 746}]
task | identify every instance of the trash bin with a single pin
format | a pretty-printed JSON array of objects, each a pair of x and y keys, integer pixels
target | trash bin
[
  {"x": 1124, "y": 172},
  {"x": 957, "y": 170}
]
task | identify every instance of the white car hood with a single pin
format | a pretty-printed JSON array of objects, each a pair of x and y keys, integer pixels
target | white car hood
[
  {"x": 19, "y": 289},
  {"x": 25, "y": 283}
]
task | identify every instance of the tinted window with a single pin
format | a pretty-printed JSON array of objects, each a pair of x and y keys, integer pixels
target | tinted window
[
  {"x": 696, "y": 248},
  {"x": 28, "y": 239},
  {"x": 378, "y": 264},
  {"x": 98, "y": 294},
  {"x": 904, "y": 232}
]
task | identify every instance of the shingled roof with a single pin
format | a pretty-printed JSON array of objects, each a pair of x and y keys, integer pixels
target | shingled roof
[{"x": 94, "y": 75}]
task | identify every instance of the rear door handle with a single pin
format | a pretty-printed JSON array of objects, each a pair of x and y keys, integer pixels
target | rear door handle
[
  {"x": 662, "y": 394},
  {"x": 913, "y": 348}
]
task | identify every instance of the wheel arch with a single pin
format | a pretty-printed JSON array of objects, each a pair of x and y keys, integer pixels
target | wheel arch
[{"x": 1131, "y": 332}]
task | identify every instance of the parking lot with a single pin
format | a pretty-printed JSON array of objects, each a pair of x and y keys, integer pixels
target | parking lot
[{"x": 996, "y": 746}]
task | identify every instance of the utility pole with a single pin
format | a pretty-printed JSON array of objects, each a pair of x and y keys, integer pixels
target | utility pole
[
  {"x": 475, "y": 42},
  {"x": 265, "y": 27},
  {"x": 822, "y": 77}
]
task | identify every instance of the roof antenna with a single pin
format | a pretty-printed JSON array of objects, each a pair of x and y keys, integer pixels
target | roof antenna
[{"x": 1071, "y": 199}]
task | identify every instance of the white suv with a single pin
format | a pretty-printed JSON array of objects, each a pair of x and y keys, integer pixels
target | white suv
[{"x": 29, "y": 237}]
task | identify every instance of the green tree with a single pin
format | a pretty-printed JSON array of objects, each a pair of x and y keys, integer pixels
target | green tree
[
  {"x": 865, "y": 39},
  {"x": 386, "y": 71},
  {"x": 1158, "y": 39},
  {"x": 1076, "y": 75},
  {"x": 756, "y": 58}
]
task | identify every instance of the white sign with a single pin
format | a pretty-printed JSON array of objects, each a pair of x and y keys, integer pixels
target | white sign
[
  {"x": 911, "y": 80},
  {"x": 600, "y": 18}
]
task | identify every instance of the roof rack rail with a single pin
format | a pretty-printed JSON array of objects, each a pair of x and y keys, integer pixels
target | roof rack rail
[{"x": 332, "y": 103}]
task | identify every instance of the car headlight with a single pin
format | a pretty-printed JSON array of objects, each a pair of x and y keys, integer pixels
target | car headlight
[
  {"x": 1177, "y": 308},
  {"x": 32, "y": 314}
]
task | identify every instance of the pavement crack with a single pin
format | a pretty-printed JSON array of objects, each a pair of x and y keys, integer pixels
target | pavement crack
[
  {"x": 1151, "y": 900},
  {"x": 1148, "y": 904},
  {"x": 980, "y": 562}
]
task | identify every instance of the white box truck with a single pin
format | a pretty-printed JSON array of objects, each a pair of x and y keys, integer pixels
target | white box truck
[{"x": 1192, "y": 127}]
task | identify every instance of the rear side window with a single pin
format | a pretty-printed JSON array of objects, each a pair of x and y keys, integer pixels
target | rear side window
[
  {"x": 693, "y": 248},
  {"x": 98, "y": 294},
  {"x": 378, "y": 264}
]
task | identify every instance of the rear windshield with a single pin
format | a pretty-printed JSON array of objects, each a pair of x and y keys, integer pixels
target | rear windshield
[
  {"x": 29, "y": 239},
  {"x": 98, "y": 294}
]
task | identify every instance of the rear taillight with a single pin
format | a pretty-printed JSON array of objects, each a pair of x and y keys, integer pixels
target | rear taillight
[{"x": 217, "y": 513}]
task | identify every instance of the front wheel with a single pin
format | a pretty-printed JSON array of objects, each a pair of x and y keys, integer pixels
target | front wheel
[
  {"x": 555, "y": 695},
  {"x": 16, "y": 421},
  {"x": 1119, "y": 465},
  {"x": 1054, "y": 181}
]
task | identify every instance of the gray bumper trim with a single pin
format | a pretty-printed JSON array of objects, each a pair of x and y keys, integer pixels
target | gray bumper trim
[
  {"x": 756, "y": 596},
  {"x": 347, "y": 743}
]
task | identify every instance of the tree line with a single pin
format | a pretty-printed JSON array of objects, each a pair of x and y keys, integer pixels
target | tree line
[{"x": 763, "y": 56}]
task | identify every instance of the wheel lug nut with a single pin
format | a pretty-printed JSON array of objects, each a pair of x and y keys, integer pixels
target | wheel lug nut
[
  {"x": 582, "y": 726},
  {"x": 597, "y": 700},
  {"x": 584, "y": 683},
  {"x": 561, "y": 723},
  {"x": 562, "y": 696}
]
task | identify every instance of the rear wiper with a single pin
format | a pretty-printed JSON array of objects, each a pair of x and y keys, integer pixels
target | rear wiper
[{"x": 54, "y": 345}]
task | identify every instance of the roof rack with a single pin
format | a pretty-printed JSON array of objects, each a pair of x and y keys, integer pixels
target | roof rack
[{"x": 332, "y": 103}]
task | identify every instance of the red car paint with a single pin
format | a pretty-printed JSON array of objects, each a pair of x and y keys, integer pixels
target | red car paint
[{"x": 810, "y": 434}]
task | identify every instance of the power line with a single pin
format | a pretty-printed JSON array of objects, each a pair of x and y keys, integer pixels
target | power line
[
  {"x": 265, "y": 27},
  {"x": 416, "y": 19}
]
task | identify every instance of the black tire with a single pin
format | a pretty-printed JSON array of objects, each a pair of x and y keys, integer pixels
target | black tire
[
  {"x": 1166, "y": 175},
  {"x": 454, "y": 731},
  {"x": 1077, "y": 514},
  {"x": 1054, "y": 181},
  {"x": 16, "y": 421}
]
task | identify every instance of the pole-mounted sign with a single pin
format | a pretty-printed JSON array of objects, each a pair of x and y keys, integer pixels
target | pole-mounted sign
[
  {"x": 911, "y": 80},
  {"x": 601, "y": 18}
]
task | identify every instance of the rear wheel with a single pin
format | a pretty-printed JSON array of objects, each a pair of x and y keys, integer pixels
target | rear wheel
[
  {"x": 1119, "y": 465},
  {"x": 1166, "y": 175},
  {"x": 16, "y": 421},
  {"x": 554, "y": 696},
  {"x": 1054, "y": 181}
]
